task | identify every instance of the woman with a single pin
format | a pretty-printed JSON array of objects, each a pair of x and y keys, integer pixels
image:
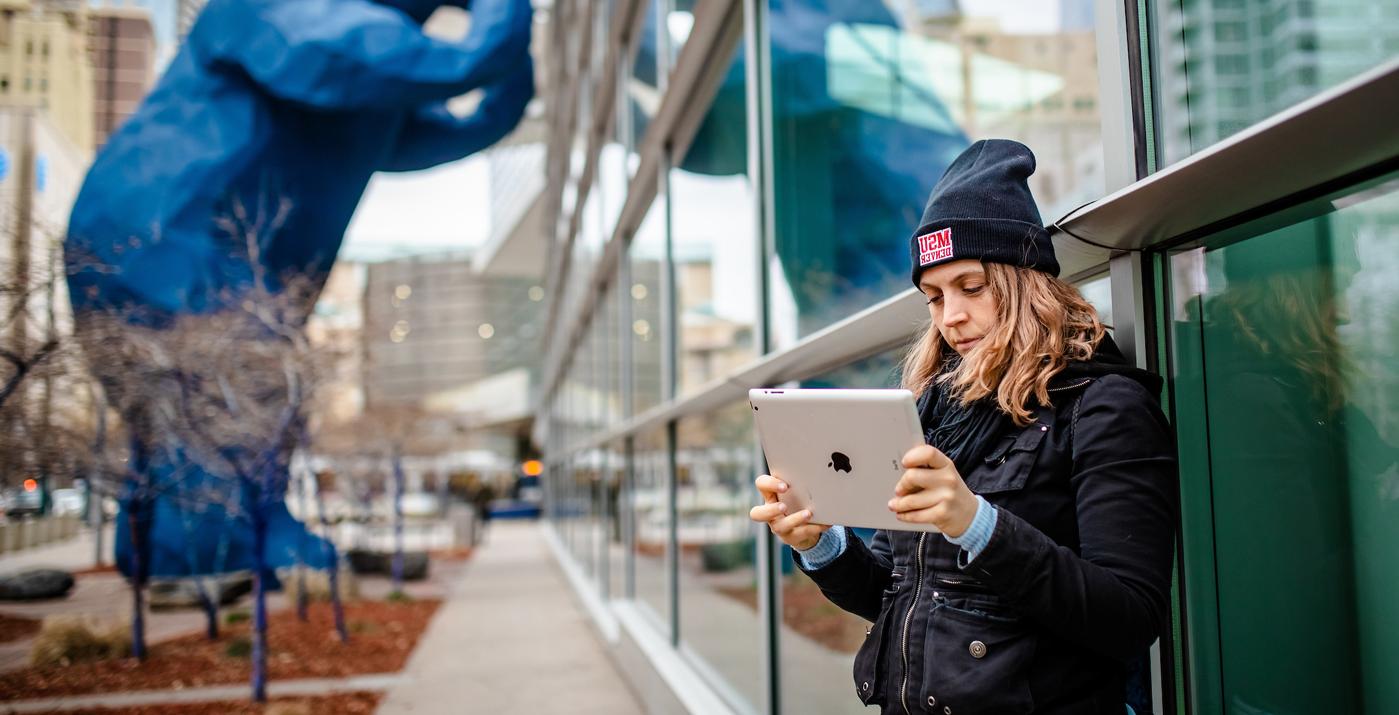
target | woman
[{"x": 1049, "y": 471}]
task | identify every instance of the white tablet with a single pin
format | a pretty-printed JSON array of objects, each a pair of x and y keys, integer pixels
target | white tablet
[{"x": 839, "y": 451}]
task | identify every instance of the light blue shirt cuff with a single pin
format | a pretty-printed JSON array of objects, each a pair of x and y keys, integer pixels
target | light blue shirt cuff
[
  {"x": 977, "y": 535},
  {"x": 829, "y": 547}
]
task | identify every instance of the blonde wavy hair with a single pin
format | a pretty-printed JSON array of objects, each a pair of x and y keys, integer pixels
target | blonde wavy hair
[{"x": 1041, "y": 324}]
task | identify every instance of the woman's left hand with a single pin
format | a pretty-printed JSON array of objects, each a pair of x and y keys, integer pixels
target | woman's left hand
[{"x": 932, "y": 492}]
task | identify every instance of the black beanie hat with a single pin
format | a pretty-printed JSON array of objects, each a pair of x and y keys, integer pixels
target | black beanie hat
[{"x": 982, "y": 209}]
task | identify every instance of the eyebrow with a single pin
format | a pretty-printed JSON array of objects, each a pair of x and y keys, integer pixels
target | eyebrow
[{"x": 925, "y": 286}]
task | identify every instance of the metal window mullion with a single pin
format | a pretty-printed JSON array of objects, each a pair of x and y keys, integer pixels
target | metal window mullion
[
  {"x": 669, "y": 342},
  {"x": 759, "y": 96}
]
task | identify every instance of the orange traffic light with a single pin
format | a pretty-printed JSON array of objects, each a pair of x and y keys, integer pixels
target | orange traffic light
[
  {"x": 31, "y": 484},
  {"x": 533, "y": 468}
]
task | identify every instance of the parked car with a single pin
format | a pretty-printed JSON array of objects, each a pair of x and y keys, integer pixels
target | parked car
[
  {"x": 69, "y": 501},
  {"x": 21, "y": 502}
]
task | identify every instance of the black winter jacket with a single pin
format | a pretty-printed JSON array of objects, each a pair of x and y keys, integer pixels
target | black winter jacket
[{"x": 1072, "y": 586}]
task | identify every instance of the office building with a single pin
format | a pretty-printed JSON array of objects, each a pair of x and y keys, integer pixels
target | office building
[
  {"x": 44, "y": 64},
  {"x": 121, "y": 45},
  {"x": 730, "y": 188}
]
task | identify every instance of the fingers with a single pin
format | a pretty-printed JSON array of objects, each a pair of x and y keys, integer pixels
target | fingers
[
  {"x": 767, "y": 512},
  {"x": 927, "y": 456},
  {"x": 931, "y": 515},
  {"x": 784, "y": 526},
  {"x": 920, "y": 500},
  {"x": 770, "y": 486}
]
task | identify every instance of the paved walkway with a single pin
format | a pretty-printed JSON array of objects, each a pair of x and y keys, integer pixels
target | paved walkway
[{"x": 511, "y": 638}]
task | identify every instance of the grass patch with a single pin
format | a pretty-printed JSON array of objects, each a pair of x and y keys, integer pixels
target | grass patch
[
  {"x": 239, "y": 647},
  {"x": 398, "y": 597},
  {"x": 235, "y": 617}
]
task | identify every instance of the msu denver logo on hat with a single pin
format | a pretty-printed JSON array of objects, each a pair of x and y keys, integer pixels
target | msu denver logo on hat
[{"x": 935, "y": 246}]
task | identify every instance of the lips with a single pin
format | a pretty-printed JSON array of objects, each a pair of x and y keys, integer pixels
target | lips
[{"x": 968, "y": 344}]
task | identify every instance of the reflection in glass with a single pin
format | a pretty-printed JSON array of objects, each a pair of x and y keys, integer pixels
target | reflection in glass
[
  {"x": 644, "y": 295},
  {"x": 641, "y": 93},
  {"x": 1098, "y": 292},
  {"x": 651, "y": 520},
  {"x": 1287, "y": 341},
  {"x": 713, "y": 234},
  {"x": 871, "y": 102},
  {"x": 718, "y": 548},
  {"x": 1222, "y": 65}
]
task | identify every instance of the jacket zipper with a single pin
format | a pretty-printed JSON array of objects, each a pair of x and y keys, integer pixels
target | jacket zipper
[
  {"x": 1086, "y": 380},
  {"x": 908, "y": 621}
]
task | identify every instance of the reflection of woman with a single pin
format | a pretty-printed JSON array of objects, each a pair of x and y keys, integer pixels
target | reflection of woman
[
  {"x": 1050, "y": 473},
  {"x": 1288, "y": 456}
]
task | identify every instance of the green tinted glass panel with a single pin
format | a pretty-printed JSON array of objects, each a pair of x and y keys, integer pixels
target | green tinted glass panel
[{"x": 1287, "y": 342}]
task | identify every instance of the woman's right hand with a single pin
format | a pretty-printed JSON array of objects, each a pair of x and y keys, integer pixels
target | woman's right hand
[{"x": 793, "y": 529}]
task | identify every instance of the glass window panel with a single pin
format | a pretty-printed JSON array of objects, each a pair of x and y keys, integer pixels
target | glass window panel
[
  {"x": 1098, "y": 292},
  {"x": 714, "y": 243},
  {"x": 646, "y": 331},
  {"x": 650, "y": 505},
  {"x": 819, "y": 640},
  {"x": 1285, "y": 344},
  {"x": 718, "y": 546},
  {"x": 641, "y": 93},
  {"x": 616, "y": 532},
  {"x": 1223, "y": 65},
  {"x": 872, "y": 101}
]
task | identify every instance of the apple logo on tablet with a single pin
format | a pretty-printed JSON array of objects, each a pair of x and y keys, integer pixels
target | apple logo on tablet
[{"x": 839, "y": 462}]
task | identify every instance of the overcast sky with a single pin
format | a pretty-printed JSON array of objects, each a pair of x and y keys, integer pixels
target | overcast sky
[{"x": 441, "y": 209}]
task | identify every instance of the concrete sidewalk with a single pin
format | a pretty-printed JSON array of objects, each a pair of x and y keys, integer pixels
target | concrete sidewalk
[{"x": 511, "y": 637}]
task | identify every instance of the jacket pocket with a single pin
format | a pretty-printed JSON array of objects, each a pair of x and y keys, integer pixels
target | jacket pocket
[
  {"x": 869, "y": 660},
  {"x": 1009, "y": 465},
  {"x": 978, "y": 661}
]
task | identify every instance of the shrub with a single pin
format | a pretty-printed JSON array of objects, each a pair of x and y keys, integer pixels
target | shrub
[
  {"x": 239, "y": 647},
  {"x": 67, "y": 639},
  {"x": 235, "y": 617},
  {"x": 398, "y": 597}
]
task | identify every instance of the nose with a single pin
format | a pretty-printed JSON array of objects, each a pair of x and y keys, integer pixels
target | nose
[{"x": 953, "y": 312}]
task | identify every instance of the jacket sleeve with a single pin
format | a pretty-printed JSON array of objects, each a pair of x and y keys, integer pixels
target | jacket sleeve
[
  {"x": 1113, "y": 596},
  {"x": 856, "y": 579},
  {"x": 355, "y": 54}
]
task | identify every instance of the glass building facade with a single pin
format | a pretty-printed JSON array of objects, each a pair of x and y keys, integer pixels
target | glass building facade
[{"x": 732, "y": 184}]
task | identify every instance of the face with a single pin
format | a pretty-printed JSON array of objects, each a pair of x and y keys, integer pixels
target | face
[{"x": 960, "y": 303}]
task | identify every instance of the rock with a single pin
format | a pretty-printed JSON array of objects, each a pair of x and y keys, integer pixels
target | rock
[
  {"x": 184, "y": 592},
  {"x": 35, "y": 584},
  {"x": 415, "y": 563}
]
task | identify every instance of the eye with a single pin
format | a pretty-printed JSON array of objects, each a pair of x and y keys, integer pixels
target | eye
[
  {"x": 973, "y": 290},
  {"x": 935, "y": 300}
]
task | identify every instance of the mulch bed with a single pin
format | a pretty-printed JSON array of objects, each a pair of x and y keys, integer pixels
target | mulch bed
[
  {"x": 807, "y": 611},
  {"x": 13, "y": 628},
  {"x": 320, "y": 705},
  {"x": 382, "y": 636}
]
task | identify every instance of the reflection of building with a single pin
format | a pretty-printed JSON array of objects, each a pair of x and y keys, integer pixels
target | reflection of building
[
  {"x": 44, "y": 64},
  {"x": 1060, "y": 120},
  {"x": 1251, "y": 59},
  {"x": 435, "y": 324},
  {"x": 121, "y": 46}
]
